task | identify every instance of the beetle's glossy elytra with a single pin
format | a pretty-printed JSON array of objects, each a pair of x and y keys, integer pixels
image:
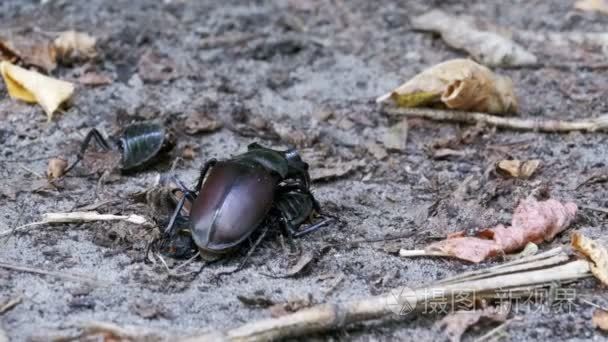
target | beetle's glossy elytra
[{"x": 234, "y": 198}]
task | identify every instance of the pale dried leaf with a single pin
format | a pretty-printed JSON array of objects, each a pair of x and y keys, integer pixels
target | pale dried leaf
[
  {"x": 456, "y": 84},
  {"x": 396, "y": 136},
  {"x": 33, "y": 87},
  {"x": 600, "y": 319},
  {"x": 592, "y": 5},
  {"x": 518, "y": 168},
  {"x": 56, "y": 167},
  {"x": 486, "y": 47},
  {"x": 595, "y": 252},
  {"x": 455, "y": 324},
  {"x": 75, "y": 46}
]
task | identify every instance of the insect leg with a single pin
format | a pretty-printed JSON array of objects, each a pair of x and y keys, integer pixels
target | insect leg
[
  {"x": 208, "y": 165},
  {"x": 99, "y": 139}
]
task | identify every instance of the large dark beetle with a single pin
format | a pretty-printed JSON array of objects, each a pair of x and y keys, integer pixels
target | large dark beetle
[
  {"x": 138, "y": 144},
  {"x": 237, "y": 195}
]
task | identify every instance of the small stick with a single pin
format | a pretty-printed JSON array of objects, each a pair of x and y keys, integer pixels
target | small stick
[
  {"x": 551, "y": 126},
  {"x": 598, "y": 209},
  {"x": 418, "y": 252},
  {"x": 76, "y": 217},
  {"x": 69, "y": 276},
  {"x": 11, "y": 303}
]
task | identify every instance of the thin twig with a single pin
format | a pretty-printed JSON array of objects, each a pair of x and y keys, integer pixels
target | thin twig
[
  {"x": 77, "y": 217},
  {"x": 63, "y": 275},
  {"x": 540, "y": 125},
  {"x": 598, "y": 209}
]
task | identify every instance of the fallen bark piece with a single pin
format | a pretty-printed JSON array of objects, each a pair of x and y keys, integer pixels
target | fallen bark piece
[
  {"x": 458, "y": 84},
  {"x": 592, "y": 5},
  {"x": 595, "y": 252},
  {"x": 533, "y": 221},
  {"x": 454, "y": 325},
  {"x": 460, "y": 32},
  {"x": 33, "y": 87},
  {"x": 518, "y": 168},
  {"x": 600, "y": 319},
  {"x": 599, "y": 123}
]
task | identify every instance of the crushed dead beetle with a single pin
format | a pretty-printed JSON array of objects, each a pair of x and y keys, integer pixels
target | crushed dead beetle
[{"x": 138, "y": 144}]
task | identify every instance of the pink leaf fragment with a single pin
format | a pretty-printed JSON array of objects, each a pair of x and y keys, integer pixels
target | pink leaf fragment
[{"x": 533, "y": 221}]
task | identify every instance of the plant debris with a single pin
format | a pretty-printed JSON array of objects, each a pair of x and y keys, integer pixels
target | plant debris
[
  {"x": 79, "y": 216},
  {"x": 455, "y": 324},
  {"x": 600, "y": 6},
  {"x": 56, "y": 168},
  {"x": 595, "y": 252},
  {"x": 600, "y": 319},
  {"x": 153, "y": 67},
  {"x": 518, "y": 168},
  {"x": 94, "y": 79},
  {"x": 198, "y": 122},
  {"x": 33, "y": 87},
  {"x": 30, "y": 52},
  {"x": 396, "y": 137},
  {"x": 458, "y": 84},
  {"x": 290, "y": 306},
  {"x": 599, "y": 123},
  {"x": 75, "y": 46},
  {"x": 533, "y": 221},
  {"x": 305, "y": 258},
  {"x": 487, "y": 47}
]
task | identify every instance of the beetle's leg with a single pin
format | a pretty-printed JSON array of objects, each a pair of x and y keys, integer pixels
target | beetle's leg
[
  {"x": 313, "y": 227},
  {"x": 208, "y": 165},
  {"x": 170, "y": 230},
  {"x": 99, "y": 139},
  {"x": 249, "y": 253}
]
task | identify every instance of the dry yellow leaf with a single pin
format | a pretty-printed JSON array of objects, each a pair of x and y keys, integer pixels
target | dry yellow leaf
[
  {"x": 72, "y": 45},
  {"x": 457, "y": 84},
  {"x": 600, "y": 319},
  {"x": 33, "y": 87},
  {"x": 595, "y": 252},
  {"x": 592, "y": 5},
  {"x": 518, "y": 168}
]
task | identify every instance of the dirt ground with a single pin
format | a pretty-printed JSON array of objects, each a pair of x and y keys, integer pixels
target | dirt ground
[{"x": 301, "y": 73}]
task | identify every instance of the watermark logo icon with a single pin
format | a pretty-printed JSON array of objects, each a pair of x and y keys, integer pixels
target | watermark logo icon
[{"x": 401, "y": 301}]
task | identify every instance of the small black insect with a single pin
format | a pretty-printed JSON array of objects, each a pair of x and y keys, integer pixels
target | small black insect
[
  {"x": 138, "y": 144},
  {"x": 236, "y": 196}
]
